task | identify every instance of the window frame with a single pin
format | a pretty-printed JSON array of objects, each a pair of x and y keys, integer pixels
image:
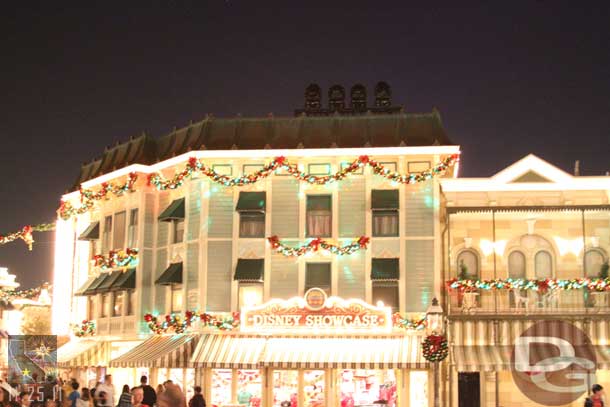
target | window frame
[
  {"x": 91, "y": 307},
  {"x": 107, "y": 233},
  {"x": 394, "y": 284},
  {"x": 176, "y": 289},
  {"x": 307, "y": 212},
  {"x": 477, "y": 260},
  {"x": 175, "y": 229},
  {"x": 383, "y": 213},
  {"x": 130, "y": 296},
  {"x": 252, "y": 214},
  {"x": 326, "y": 289},
  {"x": 106, "y": 305},
  {"x": 250, "y": 284},
  {"x": 132, "y": 228},
  {"x": 115, "y": 296}
]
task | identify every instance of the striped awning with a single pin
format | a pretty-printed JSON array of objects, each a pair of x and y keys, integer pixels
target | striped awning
[
  {"x": 345, "y": 353},
  {"x": 229, "y": 352},
  {"x": 173, "y": 351},
  {"x": 602, "y": 354},
  {"x": 83, "y": 353},
  {"x": 482, "y": 358}
]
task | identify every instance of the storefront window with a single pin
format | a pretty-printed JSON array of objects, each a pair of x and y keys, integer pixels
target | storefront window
[
  {"x": 249, "y": 388},
  {"x": 162, "y": 376},
  {"x": 358, "y": 387},
  {"x": 285, "y": 388},
  {"x": 176, "y": 376},
  {"x": 189, "y": 383},
  {"x": 221, "y": 386},
  {"x": 314, "y": 388},
  {"x": 419, "y": 382}
]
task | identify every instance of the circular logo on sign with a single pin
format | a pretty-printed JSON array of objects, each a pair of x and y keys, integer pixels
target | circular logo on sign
[
  {"x": 315, "y": 298},
  {"x": 553, "y": 362}
]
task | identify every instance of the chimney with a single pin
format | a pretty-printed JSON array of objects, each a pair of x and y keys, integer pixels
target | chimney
[{"x": 577, "y": 168}]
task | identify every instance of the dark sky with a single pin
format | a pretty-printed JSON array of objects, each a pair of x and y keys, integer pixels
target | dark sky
[{"x": 508, "y": 80}]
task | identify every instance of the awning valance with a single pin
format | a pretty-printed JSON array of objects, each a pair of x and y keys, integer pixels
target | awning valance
[
  {"x": 109, "y": 281},
  {"x": 84, "y": 287},
  {"x": 251, "y": 202},
  {"x": 172, "y": 275},
  {"x": 249, "y": 270},
  {"x": 91, "y": 233},
  {"x": 345, "y": 353},
  {"x": 83, "y": 353},
  {"x": 229, "y": 352},
  {"x": 482, "y": 358},
  {"x": 99, "y": 280},
  {"x": 172, "y": 351},
  {"x": 175, "y": 211},
  {"x": 384, "y": 199},
  {"x": 126, "y": 281},
  {"x": 385, "y": 269}
]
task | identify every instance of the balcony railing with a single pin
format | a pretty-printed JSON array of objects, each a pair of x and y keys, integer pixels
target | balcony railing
[{"x": 116, "y": 325}]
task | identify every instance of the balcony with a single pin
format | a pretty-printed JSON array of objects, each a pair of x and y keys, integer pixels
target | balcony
[
  {"x": 116, "y": 326},
  {"x": 521, "y": 302}
]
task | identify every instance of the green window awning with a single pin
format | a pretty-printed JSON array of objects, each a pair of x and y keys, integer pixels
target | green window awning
[
  {"x": 175, "y": 211},
  {"x": 84, "y": 287},
  {"x": 251, "y": 202},
  {"x": 249, "y": 270},
  {"x": 385, "y": 269},
  {"x": 172, "y": 275},
  {"x": 317, "y": 275},
  {"x": 384, "y": 199},
  {"x": 319, "y": 202},
  {"x": 92, "y": 289},
  {"x": 109, "y": 281},
  {"x": 126, "y": 281},
  {"x": 91, "y": 233}
]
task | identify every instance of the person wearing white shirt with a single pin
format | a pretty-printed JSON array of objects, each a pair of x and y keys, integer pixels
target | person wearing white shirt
[{"x": 107, "y": 388}]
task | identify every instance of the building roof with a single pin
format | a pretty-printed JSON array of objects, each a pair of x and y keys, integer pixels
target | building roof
[{"x": 336, "y": 131}]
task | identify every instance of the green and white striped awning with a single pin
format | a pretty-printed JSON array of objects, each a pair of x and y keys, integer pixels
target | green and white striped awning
[
  {"x": 83, "y": 353},
  {"x": 229, "y": 352},
  {"x": 172, "y": 351}
]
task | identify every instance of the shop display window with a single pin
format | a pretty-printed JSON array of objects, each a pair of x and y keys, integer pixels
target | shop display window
[
  {"x": 314, "y": 388},
  {"x": 367, "y": 387},
  {"x": 162, "y": 376},
  {"x": 189, "y": 383},
  {"x": 221, "y": 386},
  {"x": 285, "y": 388},
  {"x": 249, "y": 388},
  {"x": 419, "y": 388}
]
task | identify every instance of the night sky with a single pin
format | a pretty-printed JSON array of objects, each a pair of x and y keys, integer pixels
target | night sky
[{"x": 527, "y": 77}]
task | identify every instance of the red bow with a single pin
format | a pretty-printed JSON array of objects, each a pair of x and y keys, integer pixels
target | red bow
[{"x": 363, "y": 241}]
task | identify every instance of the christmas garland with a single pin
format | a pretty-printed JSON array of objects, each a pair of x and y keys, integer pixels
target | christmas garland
[
  {"x": 281, "y": 163},
  {"x": 435, "y": 348},
  {"x": 86, "y": 328},
  {"x": 117, "y": 258},
  {"x": 593, "y": 284},
  {"x": 25, "y": 234},
  {"x": 8, "y": 296},
  {"x": 88, "y": 197},
  {"x": 221, "y": 322},
  {"x": 179, "y": 324},
  {"x": 403, "y": 323},
  {"x": 316, "y": 244}
]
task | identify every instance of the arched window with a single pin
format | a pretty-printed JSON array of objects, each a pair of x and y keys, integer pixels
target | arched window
[
  {"x": 516, "y": 264},
  {"x": 594, "y": 259},
  {"x": 468, "y": 265},
  {"x": 543, "y": 265}
]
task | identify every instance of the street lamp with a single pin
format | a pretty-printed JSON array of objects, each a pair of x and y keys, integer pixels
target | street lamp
[{"x": 435, "y": 326}]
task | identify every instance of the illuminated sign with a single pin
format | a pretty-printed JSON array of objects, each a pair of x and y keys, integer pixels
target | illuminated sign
[{"x": 316, "y": 312}]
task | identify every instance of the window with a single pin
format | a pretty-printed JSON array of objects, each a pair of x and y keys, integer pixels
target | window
[
  {"x": 319, "y": 216},
  {"x": 131, "y": 301},
  {"x": 118, "y": 242},
  {"x": 516, "y": 264},
  {"x": 178, "y": 234},
  {"x": 543, "y": 265},
  {"x": 132, "y": 231},
  {"x": 117, "y": 308},
  {"x": 594, "y": 260},
  {"x": 318, "y": 275},
  {"x": 107, "y": 234},
  {"x": 252, "y": 224},
  {"x": 176, "y": 305},
  {"x": 468, "y": 265},
  {"x": 384, "y": 204},
  {"x": 250, "y": 294},
  {"x": 386, "y": 291},
  {"x": 105, "y": 305},
  {"x": 90, "y": 307}
]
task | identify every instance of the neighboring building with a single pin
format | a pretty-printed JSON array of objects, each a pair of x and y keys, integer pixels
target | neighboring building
[
  {"x": 529, "y": 221},
  {"x": 202, "y": 246}
]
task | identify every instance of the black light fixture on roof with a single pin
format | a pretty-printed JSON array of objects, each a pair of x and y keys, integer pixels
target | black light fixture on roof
[
  {"x": 336, "y": 98},
  {"x": 358, "y": 97}
]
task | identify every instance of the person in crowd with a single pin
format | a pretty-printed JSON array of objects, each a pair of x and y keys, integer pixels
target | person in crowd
[
  {"x": 596, "y": 399},
  {"x": 171, "y": 397},
  {"x": 160, "y": 389},
  {"x": 197, "y": 400},
  {"x": 125, "y": 397},
  {"x": 24, "y": 399},
  {"x": 102, "y": 399},
  {"x": 107, "y": 388},
  {"x": 85, "y": 398},
  {"x": 150, "y": 396},
  {"x": 137, "y": 394},
  {"x": 51, "y": 403},
  {"x": 74, "y": 394}
]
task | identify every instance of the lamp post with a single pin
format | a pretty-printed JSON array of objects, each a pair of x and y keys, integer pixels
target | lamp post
[{"x": 435, "y": 326}]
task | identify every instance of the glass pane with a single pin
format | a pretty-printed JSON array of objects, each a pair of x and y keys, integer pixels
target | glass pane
[
  {"x": 543, "y": 265},
  {"x": 419, "y": 383},
  {"x": 594, "y": 259},
  {"x": 176, "y": 376},
  {"x": 119, "y": 231},
  {"x": 176, "y": 298},
  {"x": 117, "y": 310},
  {"x": 319, "y": 223},
  {"x": 385, "y": 223},
  {"x": 249, "y": 385},
  {"x": 221, "y": 386},
  {"x": 189, "y": 383},
  {"x": 250, "y": 295},
  {"x": 365, "y": 387},
  {"x": 314, "y": 388},
  {"x": 516, "y": 265},
  {"x": 179, "y": 231},
  {"x": 386, "y": 292},
  {"x": 251, "y": 224},
  {"x": 285, "y": 388},
  {"x": 468, "y": 265}
]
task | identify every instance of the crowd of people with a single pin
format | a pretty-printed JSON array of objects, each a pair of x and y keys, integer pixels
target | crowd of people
[{"x": 71, "y": 394}]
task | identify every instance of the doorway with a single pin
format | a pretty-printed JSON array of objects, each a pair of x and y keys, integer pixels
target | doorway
[{"x": 469, "y": 389}]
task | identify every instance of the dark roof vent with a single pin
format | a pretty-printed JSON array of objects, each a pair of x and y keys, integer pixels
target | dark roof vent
[
  {"x": 383, "y": 95},
  {"x": 313, "y": 97},
  {"x": 336, "y": 98},
  {"x": 358, "y": 97}
]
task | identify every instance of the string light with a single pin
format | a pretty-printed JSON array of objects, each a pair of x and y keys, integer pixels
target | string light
[
  {"x": 317, "y": 244},
  {"x": 593, "y": 284},
  {"x": 25, "y": 234}
]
